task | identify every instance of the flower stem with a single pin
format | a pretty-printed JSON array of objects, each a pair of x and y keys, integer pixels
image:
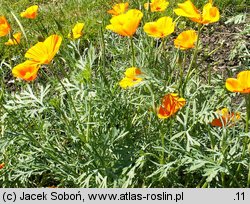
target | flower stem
[
  {"x": 103, "y": 55},
  {"x": 133, "y": 51},
  {"x": 193, "y": 60},
  {"x": 181, "y": 63},
  {"x": 245, "y": 142},
  {"x": 82, "y": 137},
  {"x": 163, "y": 145},
  {"x": 247, "y": 98},
  {"x": 103, "y": 48},
  {"x": 162, "y": 135}
]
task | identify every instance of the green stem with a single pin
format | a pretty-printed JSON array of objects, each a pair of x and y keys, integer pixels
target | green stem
[
  {"x": 181, "y": 66},
  {"x": 88, "y": 124},
  {"x": 103, "y": 47},
  {"x": 205, "y": 185},
  {"x": 223, "y": 179},
  {"x": 247, "y": 98},
  {"x": 193, "y": 60},
  {"x": 245, "y": 142},
  {"x": 162, "y": 145},
  {"x": 20, "y": 26},
  {"x": 209, "y": 74},
  {"x": 152, "y": 96},
  {"x": 159, "y": 49},
  {"x": 169, "y": 138},
  {"x": 248, "y": 179},
  {"x": 212, "y": 139},
  {"x": 74, "y": 108},
  {"x": 133, "y": 51},
  {"x": 103, "y": 55}
]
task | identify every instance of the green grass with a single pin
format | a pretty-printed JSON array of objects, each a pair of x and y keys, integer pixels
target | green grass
[{"x": 75, "y": 127}]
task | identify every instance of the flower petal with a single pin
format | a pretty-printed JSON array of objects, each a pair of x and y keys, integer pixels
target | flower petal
[
  {"x": 210, "y": 14},
  {"x": 30, "y": 12},
  {"x": 26, "y": 70},
  {"x": 44, "y": 52},
  {"x": 4, "y": 26},
  {"x": 233, "y": 85},
  {"x": 125, "y": 24}
]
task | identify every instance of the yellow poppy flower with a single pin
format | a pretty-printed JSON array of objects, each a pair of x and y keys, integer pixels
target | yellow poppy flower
[
  {"x": 225, "y": 118},
  {"x": 241, "y": 84},
  {"x": 131, "y": 77},
  {"x": 15, "y": 40},
  {"x": 210, "y": 13},
  {"x": 26, "y": 70},
  {"x": 30, "y": 12},
  {"x": 171, "y": 103},
  {"x": 118, "y": 9},
  {"x": 161, "y": 28},
  {"x": 44, "y": 52},
  {"x": 4, "y": 26},
  {"x": 76, "y": 31},
  {"x": 156, "y": 5},
  {"x": 186, "y": 40},
  {"x": 127, "y": 23}
]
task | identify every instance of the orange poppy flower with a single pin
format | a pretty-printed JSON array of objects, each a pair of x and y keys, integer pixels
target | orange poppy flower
[
  {"x": 156, "y": 5},
  {"x": 210, "y": 14},
  {"x": 26, "y": 70},
  {"x": 15, "y": 40},
  {"x": 225, "y": 118},
  {"x": 127, "y": 23},
  {"x": 4, "y": 26},
  {"x": 171, "y": 103},
  {"x": 241, "y": 84},
  {"x": 186, "y": 40},
  {"x": 118, "y": 9},
  {"x": 76, "y": 31},
  {"x": 161, "y": 28},
  {"x": 30, "y": 12},
  {"x": 44, "y": 52},
  {"x": 2, "y": 165},
  {"x": 131, "y": 77}
]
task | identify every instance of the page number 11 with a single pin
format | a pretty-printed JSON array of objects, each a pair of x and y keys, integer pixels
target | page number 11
[{"x": 240, "y": 196}]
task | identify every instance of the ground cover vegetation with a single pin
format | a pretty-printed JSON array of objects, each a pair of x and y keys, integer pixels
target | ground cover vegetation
[{"x": 124, "y": 94}]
